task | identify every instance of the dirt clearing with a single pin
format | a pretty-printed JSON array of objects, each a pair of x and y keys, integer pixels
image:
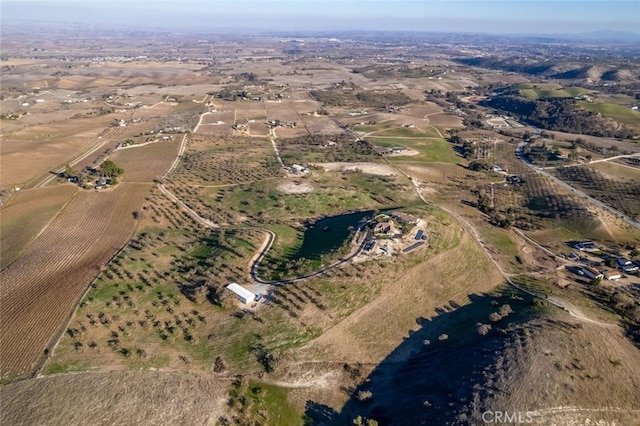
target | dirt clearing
[
  {"x": 368, "y": 168},
  {"x": 289, "y": 187}
]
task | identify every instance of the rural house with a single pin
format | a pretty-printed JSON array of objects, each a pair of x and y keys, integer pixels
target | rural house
[{"x": 404, "y": 218}]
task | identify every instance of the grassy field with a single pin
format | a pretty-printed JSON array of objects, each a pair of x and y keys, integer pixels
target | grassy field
[
  {"x": 616, "y": 171},
  {"x": 550, "y": 90},
  {"x": 502, "y": 243},
  {"x": 263, "y": 403},
  {"x": 431, "y": 149},
  {"x": 332, "y": 194},
  {"x": 404, "y": 132},
  {"x": 619, "y": 113}
]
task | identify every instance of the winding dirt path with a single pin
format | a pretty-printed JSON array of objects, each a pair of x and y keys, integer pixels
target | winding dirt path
[{"x": 555, "y": 301}]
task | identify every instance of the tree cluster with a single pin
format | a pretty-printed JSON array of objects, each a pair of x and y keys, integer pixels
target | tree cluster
[
  {"x": 110, "y": 169},
  {"x": 560, "y": 114}
]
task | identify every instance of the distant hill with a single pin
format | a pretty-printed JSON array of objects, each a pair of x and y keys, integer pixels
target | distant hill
[
  {"x": 604, "y": 36},
  {"x": 562, "y": 70},
  {"x": 560, "y": 114}
]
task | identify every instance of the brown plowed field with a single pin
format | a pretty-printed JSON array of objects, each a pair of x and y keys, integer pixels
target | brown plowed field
[
  {"x": 40, "y": 289},
  {"x": 26, "y": 214},
  {"x": 147, "y": 162}
]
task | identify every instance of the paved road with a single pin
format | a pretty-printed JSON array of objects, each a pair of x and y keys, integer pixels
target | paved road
[{"x": 576, "y": 191}]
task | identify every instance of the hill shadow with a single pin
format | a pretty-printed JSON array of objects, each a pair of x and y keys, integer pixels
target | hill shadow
[{"x": 441, "y": 373}]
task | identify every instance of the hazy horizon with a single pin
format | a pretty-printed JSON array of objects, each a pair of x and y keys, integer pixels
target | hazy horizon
[{"x": 497, "y": 17}]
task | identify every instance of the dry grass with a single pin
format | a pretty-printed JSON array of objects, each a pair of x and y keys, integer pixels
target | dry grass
[
  {"x": 148, "y": 162},
  {"x": 33, "y": 151},
  {"x": 150, "y": 398},
  {"x": 226, "y": 116},
  {"x": 618, "y": 172},
  {"x": 410, "y": 293},
  {"x": 565, "y": 367},
  {"x": 257, "y": 114},
  {"x": 445, "y": 120},
  {"x": 367, "y": 168},
  {"x": 321, "y": 125},
  {"x": 422, "y": 111}
]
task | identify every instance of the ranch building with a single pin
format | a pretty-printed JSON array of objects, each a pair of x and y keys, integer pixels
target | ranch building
[{"x": 243, "y": 294}]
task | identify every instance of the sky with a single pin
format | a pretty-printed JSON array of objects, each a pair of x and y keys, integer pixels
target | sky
[{"x": 498, "y": 16}]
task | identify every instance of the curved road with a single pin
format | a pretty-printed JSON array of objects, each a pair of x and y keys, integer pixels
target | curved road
[
  {"x": 565, "y": 306},
  {"x": 270, "y": 238},
  {"x": 254, "y": 263}
]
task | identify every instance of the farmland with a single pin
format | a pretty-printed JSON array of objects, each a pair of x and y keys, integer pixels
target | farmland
[
  {"x": 25, "y": 216},
  {"x": 622, "y": 195},
  {"x": 42, "y": 286},
  {"x": 116, "y": 297},
  {"x": 31, "y": 152},
  {"x": 146, "y": 163},
  {"x": 226, "y": 160},
  {"x": 156, "y": 302}
]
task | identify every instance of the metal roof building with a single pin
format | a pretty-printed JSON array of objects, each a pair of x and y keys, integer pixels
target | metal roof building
[{"x": 245, "y": 295}]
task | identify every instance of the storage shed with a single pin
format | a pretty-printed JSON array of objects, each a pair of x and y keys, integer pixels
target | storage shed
[
  {"x": 243, "y": 294},
  {"x": 591, "y": 273}
]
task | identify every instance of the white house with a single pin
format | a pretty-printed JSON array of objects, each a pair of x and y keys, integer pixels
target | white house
[
  {"x": 243, "y": 294},
  {"x": 297, "y": 168}
]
